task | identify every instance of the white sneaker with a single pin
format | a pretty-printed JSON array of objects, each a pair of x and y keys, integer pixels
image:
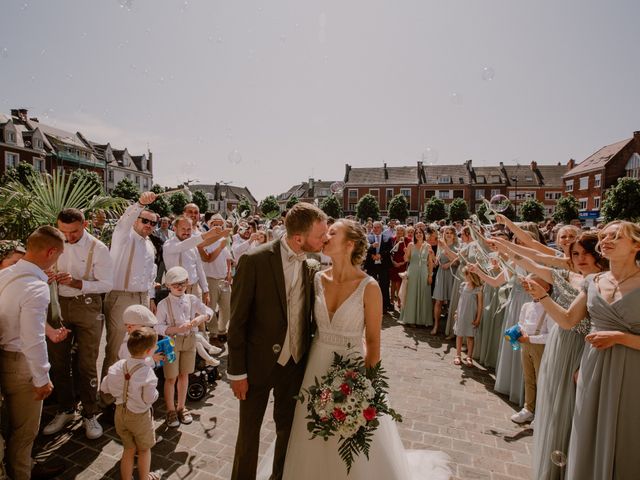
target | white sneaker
[
  {"x": 213, "y": 350},
  {"x": 531, "y": 424},
  {"x": 213, "y": 362},
  {"x": 58, "y": 423},
  {"x": 92, "y": 428},
  {"x": 523, "y": 416}
]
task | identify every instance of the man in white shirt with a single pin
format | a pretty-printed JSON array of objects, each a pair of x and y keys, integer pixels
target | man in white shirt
[
  {"x": 192, "y": 212},
  {"x": 217, "y": 267},
  {"x": 83, "y": 273},
  {"x": 24, "y": 376},
  {"x": 134, "y": 271},
  {"x": 182, "y": 251}
]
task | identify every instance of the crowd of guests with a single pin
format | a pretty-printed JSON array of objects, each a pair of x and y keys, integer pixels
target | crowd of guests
[{"x": 571, "y": 292}]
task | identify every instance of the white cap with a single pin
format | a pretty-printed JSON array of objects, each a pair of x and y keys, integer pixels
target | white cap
[
  {"x": 175, "y": 275},
  {"x": 138, "y": 315}
]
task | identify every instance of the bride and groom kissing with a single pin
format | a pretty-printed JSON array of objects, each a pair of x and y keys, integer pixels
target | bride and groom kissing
[{"x": 278, "y": 302}]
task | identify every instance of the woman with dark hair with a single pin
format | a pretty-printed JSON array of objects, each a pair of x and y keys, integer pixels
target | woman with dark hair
[
  {"x": 606, "y": 416},
  {"x": 399, "y": 265},
  {"x": 416, "y": 310}
]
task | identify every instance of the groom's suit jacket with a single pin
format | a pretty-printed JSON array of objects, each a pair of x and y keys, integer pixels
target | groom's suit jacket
[{"x": 258, "y": 323}]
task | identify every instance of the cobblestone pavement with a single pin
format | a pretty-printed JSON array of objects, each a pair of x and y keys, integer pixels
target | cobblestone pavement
[{"x": 447, "y": 408}]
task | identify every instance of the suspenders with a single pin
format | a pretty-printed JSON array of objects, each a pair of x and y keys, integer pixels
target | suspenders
[
  {"x": 172, "y": 318},
  {"x": 127, "y": 376}
]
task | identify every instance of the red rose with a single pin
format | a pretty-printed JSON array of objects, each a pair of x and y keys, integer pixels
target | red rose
[
  {"x": 369, "y": 413},
  {"x": 324, "y": 419},
  {"x": 339, "y": 415},
  {"x": 345, "y": 389},
  {"x": 351, "y": 374}
]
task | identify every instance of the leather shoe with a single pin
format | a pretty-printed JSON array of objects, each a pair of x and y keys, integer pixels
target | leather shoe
[{"x": 44, "y": 471}]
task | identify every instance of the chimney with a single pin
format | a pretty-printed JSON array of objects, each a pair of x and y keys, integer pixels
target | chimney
[
  {"x": 20, "y": 113},
  {"x": 347, "y": 169},
  {"x": 386, "y": 172},
  {"x": 311, "y": 185},
  {"x": 636, "y": 134},
  {"x": 570, "y": 164},
  {"x": 150, "y": 162},
  {"x": 534, "y": 165}
]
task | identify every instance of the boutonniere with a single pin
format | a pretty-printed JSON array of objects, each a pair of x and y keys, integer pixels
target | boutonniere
[{"x": 313, "y": 264}]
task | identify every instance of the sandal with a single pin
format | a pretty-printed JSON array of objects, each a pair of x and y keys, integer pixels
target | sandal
[
  {"x": 468, "y": 362},
  {"x": 184, "y": 416},
  {"x": 457, "y": 360}
]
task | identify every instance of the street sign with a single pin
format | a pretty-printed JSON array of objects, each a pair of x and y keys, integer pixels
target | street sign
[{"x": 589, "y": 214}]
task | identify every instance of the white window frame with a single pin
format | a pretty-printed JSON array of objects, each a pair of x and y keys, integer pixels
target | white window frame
[
  {"x": 14, "y": 155},
  {"x": 596, "y": 203},
  {"x": 495, "y": 191},
  {"x": 444, "y": 179},
  {"x": 569, "y": 186},
  {"x": 583, "y": 204},
  {"x": 406, "y": 192},
  {"x": 597, "y": 180},
  {"x": 480, "y": 194},
  {"x": 552, "y": 195},
  {"x": 39, "y": 165},
  {"x": 353, "y": 190},
  {"x": 584, "y": 183},
  {"x": 444, "y": 194}
]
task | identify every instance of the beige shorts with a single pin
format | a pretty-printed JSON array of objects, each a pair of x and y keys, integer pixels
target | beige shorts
[
  {"x": 135, "y": 429},
  {"x": 185, "y": 362}
]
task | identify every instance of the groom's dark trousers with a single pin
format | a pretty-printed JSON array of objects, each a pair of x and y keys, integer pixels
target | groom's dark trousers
[{"x": 285, "y": 382}]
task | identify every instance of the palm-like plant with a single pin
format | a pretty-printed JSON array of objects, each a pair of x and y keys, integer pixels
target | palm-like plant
[{"x": 23, "y": 208}]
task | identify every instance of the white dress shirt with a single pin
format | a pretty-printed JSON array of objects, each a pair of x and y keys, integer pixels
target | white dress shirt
[
  {"x": 185, "y": 308},
  {"x": 23, "y": 313},
  {"x": 530, "y": 317},
  {"x": 184, "y": 253},
  {"x": 143, "y": 267},
  {"x": 142, "y": 390},
  {"x": 74, "y": 261},
  {"x": 217, "y": 268},
  {"x": 240, "y": 247}
]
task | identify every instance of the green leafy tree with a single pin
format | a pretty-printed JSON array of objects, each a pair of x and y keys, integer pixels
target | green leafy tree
[
  {"x": 458, "y": 210},
  {"x": 532, "y": 210},
  {"x": 331, "y": 206},
  {"x": 161, "y": 204},
  {"x": 269, "y": 206},
  {"x": 88, "y": 176},
  {"x": 368, "y": 207},
  {"x": 126, "y": 189},
  {"x": 22, "y": 173},
  {"x": 566, "y": 209},
  {"x": 622, "y": 201},
  {"x": 200, "y": 199},
  {"x": 244, "y": 206},
  {"x": 291, "y": 202},
  {"x": 399, "y": 208},
  {"x": 178, "y": 201},
  {"x": 435, "y": 209}
]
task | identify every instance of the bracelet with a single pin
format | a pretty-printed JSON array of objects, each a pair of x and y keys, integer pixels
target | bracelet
[{"x": 538, "y": 299}]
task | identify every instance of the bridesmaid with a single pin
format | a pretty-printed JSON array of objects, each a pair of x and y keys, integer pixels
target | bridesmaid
[
  {"x": 432, "y": 239},
  {"x": 416, "y": 310},
  {"x": 605, "y": 423},
  {"x": 399, "y": 265},
  {"x": 444, "y": 278}
]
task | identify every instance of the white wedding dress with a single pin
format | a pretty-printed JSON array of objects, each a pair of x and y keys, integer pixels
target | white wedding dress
[{"x": 319, "y": 459}]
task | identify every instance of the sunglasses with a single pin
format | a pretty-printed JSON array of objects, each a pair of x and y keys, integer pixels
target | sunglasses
[{"x": 146, "y": 221}]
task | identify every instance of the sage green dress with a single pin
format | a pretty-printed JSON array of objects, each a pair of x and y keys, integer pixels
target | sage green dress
[
  {"x": 490, "y": 332},
  {"x": 606, "y": 422},
  {"x": 467, "y": 254},
  {"x": 417, "y": 308},
  {"x": 556, "y": 395}
]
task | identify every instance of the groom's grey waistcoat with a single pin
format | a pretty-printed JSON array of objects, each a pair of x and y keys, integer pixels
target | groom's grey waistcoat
[{"x": 258, "y": 324}]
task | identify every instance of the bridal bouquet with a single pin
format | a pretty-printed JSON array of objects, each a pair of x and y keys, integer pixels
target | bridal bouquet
[{"x": 348, "y": 401}]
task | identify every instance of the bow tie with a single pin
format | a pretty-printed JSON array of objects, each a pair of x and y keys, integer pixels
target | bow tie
[{"x": 296, "y": 257}]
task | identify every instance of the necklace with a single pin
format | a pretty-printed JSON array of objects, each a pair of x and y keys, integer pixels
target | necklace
[{"x": 616, "y": 284}]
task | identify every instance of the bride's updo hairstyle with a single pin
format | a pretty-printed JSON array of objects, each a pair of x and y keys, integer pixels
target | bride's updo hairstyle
[{"x": 354, "y": 232}]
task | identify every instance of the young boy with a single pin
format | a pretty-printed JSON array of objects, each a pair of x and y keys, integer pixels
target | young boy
[
  {"x": 133, "y": 384},
  {"x": 136, "y": 317},
  {"x": 535, "y": 326},
  {"x": 179, "y": 315}
]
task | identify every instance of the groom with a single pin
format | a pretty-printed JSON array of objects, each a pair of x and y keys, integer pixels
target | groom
[{"x": 270, "y": 333}]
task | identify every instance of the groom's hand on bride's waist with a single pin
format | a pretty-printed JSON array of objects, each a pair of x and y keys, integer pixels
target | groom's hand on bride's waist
[{"x": 240, "y": 388}]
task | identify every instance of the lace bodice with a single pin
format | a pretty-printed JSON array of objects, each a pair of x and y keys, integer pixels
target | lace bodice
[{"x": 346, "y": 327}]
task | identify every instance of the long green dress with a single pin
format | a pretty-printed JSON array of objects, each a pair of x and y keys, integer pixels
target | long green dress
[
  {"x": 467, "y": 254},
  {"x": 556, "y": 395},
  {"x": 606, "y": 422},
  {"x": 490, "y": 335},
  {"x": 417, "y": 308}
]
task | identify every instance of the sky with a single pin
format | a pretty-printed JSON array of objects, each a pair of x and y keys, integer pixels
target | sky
[{"x": 270, "y": 93}]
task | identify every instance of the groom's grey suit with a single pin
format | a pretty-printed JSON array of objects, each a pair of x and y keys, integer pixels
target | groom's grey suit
[{"x": 257, "y": 332}]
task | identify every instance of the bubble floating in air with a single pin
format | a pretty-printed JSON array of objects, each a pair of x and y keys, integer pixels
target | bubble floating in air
[
  {"x": 558, "y": 458},
  {"x": 456, "y": 98},
  {"x": 235, "y": 157},
  {"x": 488, "y": 73},
  {"x": 88, "y": 301},
  {"x": 430, "y": 155},
  {"x": 499, "y": 203}
]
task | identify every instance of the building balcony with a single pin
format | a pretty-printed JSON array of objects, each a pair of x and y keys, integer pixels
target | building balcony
[{"x": 77, "y": 160}]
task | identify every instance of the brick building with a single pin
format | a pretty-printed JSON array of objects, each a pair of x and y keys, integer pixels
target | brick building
[
  {"x": 225, "y": 198},
  {"x": 312, "y": 191},
  {"x": 446, "y": 182},
  {"x": 588, "y": 180}
]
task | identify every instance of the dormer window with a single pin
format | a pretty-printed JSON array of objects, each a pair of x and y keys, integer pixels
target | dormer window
[
  {"x": 444, "y": 179},
  {"x": 495, "y": 179},
  {"x": 12, "y": 137}
]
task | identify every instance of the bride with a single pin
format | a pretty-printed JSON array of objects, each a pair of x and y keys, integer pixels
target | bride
[{"x": 347, "y": 303}]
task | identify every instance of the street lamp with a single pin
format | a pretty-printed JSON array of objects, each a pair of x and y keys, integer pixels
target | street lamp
[{"x": 515, "y": 200}]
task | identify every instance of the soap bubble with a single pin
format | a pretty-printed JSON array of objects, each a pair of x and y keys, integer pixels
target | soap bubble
[
  {"x": 4, "y": 52},
  {"x": 488, "y": 73},
  {"x": 88, "y": 300},
  {"x": 126, "y": 4},
  {"x": 499, "y": 203},
  {"x": 558, "y": 458},
  {"x": 235, "y": 157},
  {"x": 456, "y": 98},
  {"x": 430, "y": 155},
  {"x": 337, "y": 187},
  {"x": 100, "y": 317}
]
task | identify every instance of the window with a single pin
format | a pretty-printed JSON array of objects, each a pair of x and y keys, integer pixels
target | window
[
  {"x": 145, "y": 183},
  {"x": 444, "y": 194},
  {"x": 528, "y": 178},
  {"x": 480, "y": 194},
  {"x": 584, "y": 183},
  {"x": 389, "y": 194},
  {"x": 522, "y": 194},
  {"x": 569, "y": 186},
  {"x": 38, "y": 144},
  {"x": 407, "y": 194},
  {"x": 633, "y": 166},
  {"x": 496, "y": 179},
  {"x": 11, "y": 160},
  {"x": 444, "y": 179},
  {"x": 12, "y": 137},
  {"x": 481, "y": 179},
  {"x": 129, "y": 176},
  {"x": 596, "y": 180},
  {"x": 552, "y": 195},
  {"x": 596, "y": 203},
  {"x": 137, "y": 179},
  {"x": 429, "y": 194},
  {"x": 458, "y": 194},
  {"x": 495, "y": 191},
  {"x": 110, "y": 175},
  {"x": 583, "y": 204},
  {"x": 353, "y": 193},
  {"x": 39, "y": 165},
  {"x": 375, "y": 192}
]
